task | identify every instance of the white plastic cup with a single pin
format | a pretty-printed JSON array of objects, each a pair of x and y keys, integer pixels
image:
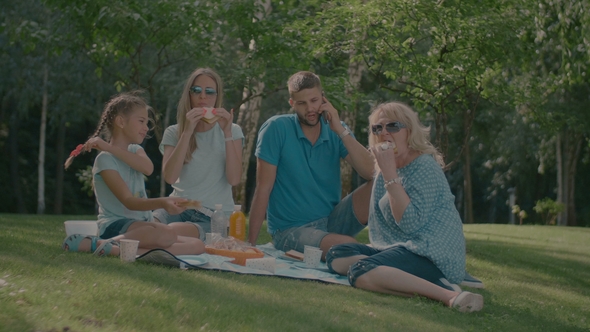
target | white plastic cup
[
  {"x": 128, "y": 250},
  {"x": 84, "y": 227},
  {"x": 312, "y": 256}
]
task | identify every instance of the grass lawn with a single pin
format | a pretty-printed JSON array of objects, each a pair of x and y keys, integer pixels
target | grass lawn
[{"x": 537, "y": 279}]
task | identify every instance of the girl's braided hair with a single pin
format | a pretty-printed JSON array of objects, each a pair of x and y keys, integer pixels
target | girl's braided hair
[{"x": 121, "y": 104}]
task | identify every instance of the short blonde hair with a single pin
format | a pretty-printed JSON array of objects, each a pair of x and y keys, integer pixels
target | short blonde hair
[
  {"x": 184, "y": 105},
  {"x": 418, "y": 134}
]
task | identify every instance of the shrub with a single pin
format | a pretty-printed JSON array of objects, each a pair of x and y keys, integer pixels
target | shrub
[{"x": 548, "y": 209}]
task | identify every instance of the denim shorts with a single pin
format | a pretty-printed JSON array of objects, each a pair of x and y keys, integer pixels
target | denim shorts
[
  {"x": 397, "y": 257},
  {"x": 199, "y": 219},
  {"x": 342, "y": 220},
  {"x": 117, "y": 228}
]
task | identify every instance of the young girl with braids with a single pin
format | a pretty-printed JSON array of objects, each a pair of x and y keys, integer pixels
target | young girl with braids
[
  {"x": 202, "y": 157},
  {"x": 118, "y": 178}
]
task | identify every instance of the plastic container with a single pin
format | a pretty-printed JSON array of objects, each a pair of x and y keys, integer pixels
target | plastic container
[
  {"x": 84, "y": 227},
  {"x": 219, "y": 221},
  {"x": 240, "y": 256},
  {"x": 237, "y": 224}
]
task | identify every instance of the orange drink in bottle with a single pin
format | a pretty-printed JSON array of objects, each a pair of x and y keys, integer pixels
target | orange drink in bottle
[{"x": 237, "y": 224}]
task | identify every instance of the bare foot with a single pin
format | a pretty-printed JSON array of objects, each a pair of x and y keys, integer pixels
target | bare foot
[{"x": 467, "y": 302}]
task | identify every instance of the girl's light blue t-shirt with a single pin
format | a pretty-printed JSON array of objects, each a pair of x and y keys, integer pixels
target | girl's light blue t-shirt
[
  {"x": 110, "y": 209},
  {"x": 203, "y": 178}
]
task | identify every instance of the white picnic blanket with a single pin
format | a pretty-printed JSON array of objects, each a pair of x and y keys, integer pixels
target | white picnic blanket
[{"x": 284, "y": 267}]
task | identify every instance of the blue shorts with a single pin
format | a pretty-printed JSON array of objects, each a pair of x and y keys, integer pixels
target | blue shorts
[
  {"x": 342, "y": 220},
  {"x": 117, "y": 228},
  {"x": 397, "y": 257},
  {"x": 198, "y": 218}
]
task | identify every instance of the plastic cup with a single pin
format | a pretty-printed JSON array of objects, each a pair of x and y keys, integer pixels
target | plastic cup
[
  {"x": 312, "y": 256},
  {"x": 128, "y": 250}
]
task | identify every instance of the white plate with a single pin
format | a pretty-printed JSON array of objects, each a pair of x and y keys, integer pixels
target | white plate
[{"x": 195, "y": 260}]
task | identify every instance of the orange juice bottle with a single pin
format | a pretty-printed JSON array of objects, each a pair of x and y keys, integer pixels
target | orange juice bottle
[{"x": 237, "y": 224}]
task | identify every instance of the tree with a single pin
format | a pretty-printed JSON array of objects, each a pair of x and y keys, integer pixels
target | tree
[
  {"x": 436, "y": 53},
  {"x": 549, "y": 77},
  {"x": 35, "y": 34}
]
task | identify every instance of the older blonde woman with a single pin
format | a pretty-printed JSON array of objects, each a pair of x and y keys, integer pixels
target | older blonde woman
[
  {"x": 415, "y": 230},
  {"x": 202, "y": 153}
]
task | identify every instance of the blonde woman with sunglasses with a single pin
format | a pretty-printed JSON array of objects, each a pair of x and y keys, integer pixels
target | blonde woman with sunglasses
[
  {"x": 202, "y": 154},
  {"x": 416, "y": 234}
]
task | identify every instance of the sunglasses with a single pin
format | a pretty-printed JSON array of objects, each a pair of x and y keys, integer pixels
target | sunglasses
[
  {"x": 392, "y": 127},
  {"x": 208, "y": 91}
]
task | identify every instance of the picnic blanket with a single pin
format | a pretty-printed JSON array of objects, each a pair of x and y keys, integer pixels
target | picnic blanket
[{"x": 284, "y": 267}]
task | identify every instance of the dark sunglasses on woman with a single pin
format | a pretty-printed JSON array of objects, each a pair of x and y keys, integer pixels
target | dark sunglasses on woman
[
  {"x": 392, "y": 127},
  {"x": 208, "y": 91}
]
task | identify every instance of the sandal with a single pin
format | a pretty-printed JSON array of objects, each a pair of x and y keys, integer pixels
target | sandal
[
  {"x": 72, "y": 242},
  {"x": 468, "y": 302},
  {"x": 104, "y": 249}
]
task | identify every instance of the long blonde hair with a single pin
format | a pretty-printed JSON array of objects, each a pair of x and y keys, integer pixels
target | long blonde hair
[
  {"x": 418, "y": 134},
  {"x": 184, "y": 105}
]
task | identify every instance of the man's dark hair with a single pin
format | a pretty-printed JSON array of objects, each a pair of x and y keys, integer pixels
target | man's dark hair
[{"x": 303, "y": 80}]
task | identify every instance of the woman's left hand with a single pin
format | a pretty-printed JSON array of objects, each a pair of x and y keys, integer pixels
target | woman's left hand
[{"x": 225, "y": 119}]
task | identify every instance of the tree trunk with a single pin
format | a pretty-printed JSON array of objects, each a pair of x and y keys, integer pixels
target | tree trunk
[
  {"x": 166, "y": 124},
  {"x": 467, "y": 185},
  {"x": 14, "y": 166},
  {"x": 41, "y": 164},
  {"x": 568, "y": 150},
  {"x": 248, "y": 120},
  {"x": 355, "y": 74},
  {"x": 561, "y": 217},
  {"x": 572, "y": 154},
  {"x": 250, "y": 114},
  {"x": 59, "y": 165}
]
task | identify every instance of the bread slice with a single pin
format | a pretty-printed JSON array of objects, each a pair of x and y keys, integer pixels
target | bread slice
[
  {"x": 294, "y": 254},
  {"x": 190, "y": 204},
  {"x": 209, "y": 117}
]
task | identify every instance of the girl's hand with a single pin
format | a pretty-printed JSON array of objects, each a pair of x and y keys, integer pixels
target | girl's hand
[
  {"x": 193, "y": 117},
  {"x": 96, "y": 143},
  {"x": 225, "y": 119},
  {"x": 384, "y": 154},
  {"x": 169, "y": 204}
]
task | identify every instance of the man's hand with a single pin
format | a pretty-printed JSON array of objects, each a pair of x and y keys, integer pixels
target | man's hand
[{"x": 331, "y": 115}]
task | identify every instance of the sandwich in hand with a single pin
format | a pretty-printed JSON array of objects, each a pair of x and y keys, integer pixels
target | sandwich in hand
[
  {"x": 209, "y": 116},
  {"x": 189, "y": 204}
]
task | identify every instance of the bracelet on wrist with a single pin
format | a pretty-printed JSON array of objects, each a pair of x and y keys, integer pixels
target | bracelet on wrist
[
  {"x": 397, "y": 180},
  {"x": 231, "y": 138},
  {"x": 344, "y": 133}
]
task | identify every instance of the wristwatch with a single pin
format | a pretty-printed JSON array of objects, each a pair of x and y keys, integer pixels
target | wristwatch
[{"x": 344, "y": 133}]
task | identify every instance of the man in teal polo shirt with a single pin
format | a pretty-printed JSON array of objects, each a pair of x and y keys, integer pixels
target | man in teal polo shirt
[{"x": 298, "y": 181}]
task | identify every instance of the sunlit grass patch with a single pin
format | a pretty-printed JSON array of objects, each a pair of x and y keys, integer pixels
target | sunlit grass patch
[{"x": 537, "y": 278}]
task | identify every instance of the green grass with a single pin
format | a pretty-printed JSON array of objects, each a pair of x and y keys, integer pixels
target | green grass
[{"x": 537, "y": 279}]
